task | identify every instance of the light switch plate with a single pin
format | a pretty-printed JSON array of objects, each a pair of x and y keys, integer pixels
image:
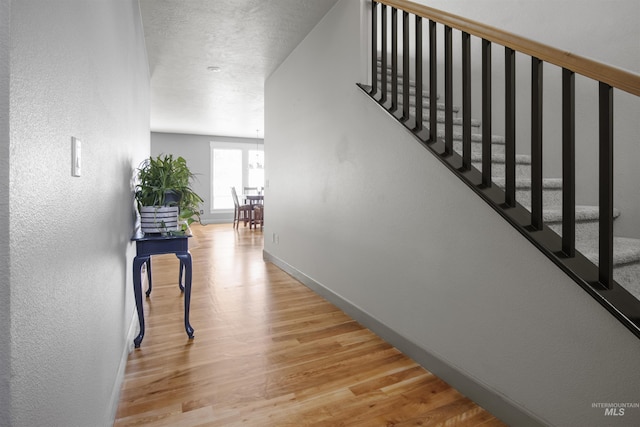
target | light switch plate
[{"x": 76, "y": 157}]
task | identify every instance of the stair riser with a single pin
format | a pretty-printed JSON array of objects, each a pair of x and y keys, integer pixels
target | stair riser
[
  {"x": 586, "y": 233},
  {"x": 476, "y": 147},
  {"x": 627, "y": 275},
  {"x": 498, "y": 169},
  {"x": 412, "y": 83},
  {"x": 457, "y": 125},
  {"x": 550, "y": 197},
  {"x": 412, "y": 89},
  {"x": 425, "y": 106},
  {"x": 457, "y": 121}
]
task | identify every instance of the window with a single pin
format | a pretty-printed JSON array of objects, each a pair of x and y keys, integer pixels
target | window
[
  {"x": 236, "y": 165},
  {"x": 256, "y": 169},
  {"x": 226, "y": 173}
]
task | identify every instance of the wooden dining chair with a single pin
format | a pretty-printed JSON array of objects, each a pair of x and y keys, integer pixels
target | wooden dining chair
[
  {"x": 241, "y": 212},
  {"x": 258, "y": 216}
]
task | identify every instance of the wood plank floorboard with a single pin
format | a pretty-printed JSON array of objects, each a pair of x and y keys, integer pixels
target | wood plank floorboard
[{"x": 268, "y": 351}]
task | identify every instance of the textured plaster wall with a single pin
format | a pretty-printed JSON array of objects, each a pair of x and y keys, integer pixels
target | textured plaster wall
[
  {"x": 361, "y": 208},
  {"x": 5, "y": 333},
  {"x": 78, "y": 68}
]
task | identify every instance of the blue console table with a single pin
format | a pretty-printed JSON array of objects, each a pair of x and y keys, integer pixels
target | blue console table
[{"x": 148, "y": 245}]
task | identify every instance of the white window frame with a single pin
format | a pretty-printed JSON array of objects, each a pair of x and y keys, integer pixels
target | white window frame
[{"x": 245, "y": 147}]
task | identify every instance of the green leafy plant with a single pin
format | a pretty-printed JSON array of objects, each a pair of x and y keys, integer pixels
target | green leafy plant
[{"x": 166, "y": 181}]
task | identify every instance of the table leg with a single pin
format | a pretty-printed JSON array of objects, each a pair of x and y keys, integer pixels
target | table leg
[
  {"x": 180, "y": 276},
  {"x": 138, "y": 261},
  {"x": 185, "y": 260},
  {"x": 149, "y": 276}
]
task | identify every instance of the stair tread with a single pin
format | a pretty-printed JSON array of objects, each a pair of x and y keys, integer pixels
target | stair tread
[
  {"x": 412, "y": 90},
  {"x": 583, "y": 213},
  {"x": 521, "y": 159},
  {"x": 626, "y": 250},
  {"x": 525, "y": 183},
  {"x": 426, "y": 104},
  {"x": 457, "y": 121},
  {"x": 475, "y": 137}
]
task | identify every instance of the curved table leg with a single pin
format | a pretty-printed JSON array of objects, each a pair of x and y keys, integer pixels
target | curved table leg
[
  {"x": 180, "y": 276},
  {"x": 185, "y": 260},
  {"x": 138, "y": 261},
  {"x": 149, "y": 276}
]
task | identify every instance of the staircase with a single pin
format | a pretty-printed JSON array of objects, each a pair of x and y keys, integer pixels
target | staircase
[{"x": 626, "y": 250}]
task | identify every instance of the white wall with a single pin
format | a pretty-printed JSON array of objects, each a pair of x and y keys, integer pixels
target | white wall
[
  {"x": 5, "y": 332},
  {"x": 197, "y": 152},
  {"x": 604, "y": 30},
  {"x": 362, "y": 209},
  {"x": 78, "y": 69}
]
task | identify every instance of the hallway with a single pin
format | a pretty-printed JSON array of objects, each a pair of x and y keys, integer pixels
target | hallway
[{"x": 269, "y": 352}]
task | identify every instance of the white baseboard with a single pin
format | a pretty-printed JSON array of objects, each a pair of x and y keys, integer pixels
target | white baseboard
[{"x": 117, "y": 386}]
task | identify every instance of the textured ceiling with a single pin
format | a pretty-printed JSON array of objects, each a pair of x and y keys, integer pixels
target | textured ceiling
[{"x": 246, "y": 39}]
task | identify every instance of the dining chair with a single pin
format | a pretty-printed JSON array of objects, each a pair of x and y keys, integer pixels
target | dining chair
[
  {"x": 241, "y": 212},
  {"x": 258, "y": 216}
]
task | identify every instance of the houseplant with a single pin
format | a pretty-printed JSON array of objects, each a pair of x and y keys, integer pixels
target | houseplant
[{"x": 163, "y": 193}]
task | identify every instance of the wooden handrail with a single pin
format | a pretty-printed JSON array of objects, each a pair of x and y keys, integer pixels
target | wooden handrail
[{"x": 614, "y": 77}]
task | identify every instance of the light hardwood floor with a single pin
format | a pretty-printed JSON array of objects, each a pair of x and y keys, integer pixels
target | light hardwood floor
[{"x": 269, "y": 352}]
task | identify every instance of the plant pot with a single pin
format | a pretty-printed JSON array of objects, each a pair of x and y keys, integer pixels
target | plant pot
[{"x": 158, "y": 219}]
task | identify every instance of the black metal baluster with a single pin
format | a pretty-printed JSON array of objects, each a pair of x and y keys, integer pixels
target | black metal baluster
[
  {"x": 433, "y": 83},
  {"x": 383, "y": 67},
  {"x": 486, "y": 113},
  {"x": 394, "y": 59},
  {"x": 448, "y": 92},
  {"x": 568, "y": 163},
  {"x": 510, "y": 126},
  {"x": 536, "y": 144},
  {"x": 374, "y": 48},
  {"x": 606, "y": 185},
  {"x": 418, "y": 56},
  {"x": 405, "y": 66},
  {"x": 466, "y": 101}
]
